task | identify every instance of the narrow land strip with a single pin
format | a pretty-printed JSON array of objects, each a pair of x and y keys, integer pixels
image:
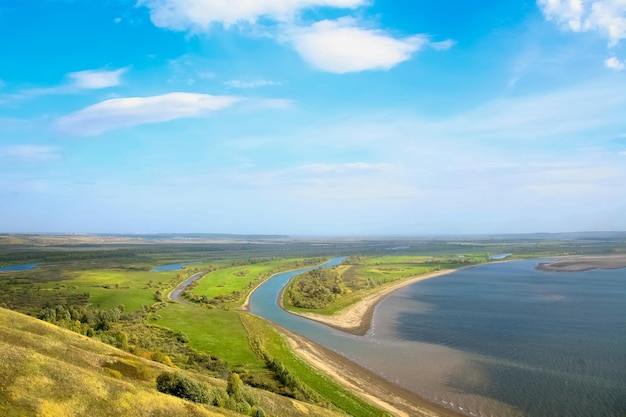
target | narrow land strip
[
  {"x": 584, "y": 263},
  {"x": 357, "y": 318}
]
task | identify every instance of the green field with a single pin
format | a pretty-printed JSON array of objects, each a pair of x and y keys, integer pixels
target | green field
[
  {"x": 216, "y": 332},
  {"x": 230, "y": 286}
]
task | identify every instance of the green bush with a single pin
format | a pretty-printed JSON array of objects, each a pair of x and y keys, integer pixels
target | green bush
[{"x": 180, "y": 386}]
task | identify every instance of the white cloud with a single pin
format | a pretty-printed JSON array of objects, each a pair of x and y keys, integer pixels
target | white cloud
[
  {"x": 340, "y": 46},
  {"x": 29, "y": 153},
  {"x": 614, "y": 63},
  {"x": 622, "y": 153},
  {"x": 568, "y": 13},
  {"x": 95, "y": 79},
  {"x": 75, "y": 83},
  {"x": 126, "y": 112},
  {"x": 198, "y": 15},
  {"x": 608, "y": 17}
]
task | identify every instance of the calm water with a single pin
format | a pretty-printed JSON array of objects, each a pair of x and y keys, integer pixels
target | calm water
[
  {"x": 23, "y": 267},
  {"x": 172, "y": 267},
  {"x": 495, "y": 340}
]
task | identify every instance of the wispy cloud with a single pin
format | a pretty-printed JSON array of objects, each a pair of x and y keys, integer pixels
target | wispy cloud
[
  {"x": 75, "y": 83},
  {"x": 29, "y": 153},
  {"x": 126, "y": 112},
  {"x": 199, "y": 15},
  {"x": 341, "y": 46},
  {"x": 251, "y": 84}
]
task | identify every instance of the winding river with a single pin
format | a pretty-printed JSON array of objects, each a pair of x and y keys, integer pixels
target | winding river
[{"x": 499, "y": 339}]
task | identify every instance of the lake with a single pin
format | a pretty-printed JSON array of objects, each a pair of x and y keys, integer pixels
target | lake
[
  {"x": 498, "y": 339},
  {"x": 14, "y": 268},
  {"x": 172, "y": 267}
]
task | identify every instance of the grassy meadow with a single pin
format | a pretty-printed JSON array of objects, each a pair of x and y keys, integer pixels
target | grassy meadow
[
  {"x": 213, "y": 331},
  {"x": 49, "y": 371}
]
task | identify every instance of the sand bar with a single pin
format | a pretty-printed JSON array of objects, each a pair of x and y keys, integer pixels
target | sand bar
[
  {"x": 584, "y": 263},
  {"x": 373, "y": 388},
  {"x": 357, "y": 318}
]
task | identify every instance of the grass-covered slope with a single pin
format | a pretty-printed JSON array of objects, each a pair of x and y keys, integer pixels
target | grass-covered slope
[{"x": 49, "y": 371}]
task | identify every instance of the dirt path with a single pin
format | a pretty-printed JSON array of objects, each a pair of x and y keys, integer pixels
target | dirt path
[{"x": 175, "y": 294}]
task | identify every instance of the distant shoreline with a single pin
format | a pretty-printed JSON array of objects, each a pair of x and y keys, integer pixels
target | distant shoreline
[{"x": 580, "y": 263}]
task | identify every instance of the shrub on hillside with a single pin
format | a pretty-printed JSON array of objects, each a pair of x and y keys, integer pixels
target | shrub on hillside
[{"x": 180, "y": 386}]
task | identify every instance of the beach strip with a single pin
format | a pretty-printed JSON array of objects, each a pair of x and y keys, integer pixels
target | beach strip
[
  {"x": 357, "y": 318},
  {"x": 373, "y": 388}
]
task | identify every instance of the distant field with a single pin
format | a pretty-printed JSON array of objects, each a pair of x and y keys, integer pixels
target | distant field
[{"x": 237, "y": 278}]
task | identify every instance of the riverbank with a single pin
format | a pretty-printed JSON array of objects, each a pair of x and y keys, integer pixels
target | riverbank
[
  {"x": 357, "y": 318},
  {"x": 385, "y": 395},
  {"x": 579, "y": 263}
]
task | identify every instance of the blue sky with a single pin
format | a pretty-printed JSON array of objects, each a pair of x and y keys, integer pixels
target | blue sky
[{"x": 312, "y": 117}]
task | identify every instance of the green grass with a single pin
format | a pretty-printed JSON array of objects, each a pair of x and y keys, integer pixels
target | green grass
[
  {"x": 49, "y": 371},
  {"x": 241, "y": 279},
  {"x": 277, "y": 347},
  {"x": 132, "y": 289},
  {"x": 216, "y": 332}
]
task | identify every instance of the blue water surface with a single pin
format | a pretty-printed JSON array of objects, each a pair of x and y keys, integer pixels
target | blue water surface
[{"x": 23, "y": 267}]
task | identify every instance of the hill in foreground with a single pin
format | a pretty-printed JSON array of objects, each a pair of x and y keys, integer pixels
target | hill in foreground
[{"x": 49, "y": 371}]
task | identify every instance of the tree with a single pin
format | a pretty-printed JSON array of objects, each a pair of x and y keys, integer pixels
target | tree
[
  {"x": 235, "y": 387},
  {"x": 180, "y": 386}
]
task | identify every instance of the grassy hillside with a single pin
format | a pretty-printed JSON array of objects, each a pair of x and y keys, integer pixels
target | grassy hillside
[{"x": 49, "y": 371}]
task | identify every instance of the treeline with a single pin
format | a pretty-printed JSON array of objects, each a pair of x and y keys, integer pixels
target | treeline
[
  {"x": 43, "y": 256},
  {"x": 316, "y": 289}
]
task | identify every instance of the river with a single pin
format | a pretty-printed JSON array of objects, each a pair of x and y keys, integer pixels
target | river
[{"x": 500, "y": 339}]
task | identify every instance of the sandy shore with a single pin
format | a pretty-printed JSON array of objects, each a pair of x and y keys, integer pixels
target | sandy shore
[
  {"x": 357, "y": 318},
  {"x": 376, "y": 390},
  {"x": 584, "y": 263}
]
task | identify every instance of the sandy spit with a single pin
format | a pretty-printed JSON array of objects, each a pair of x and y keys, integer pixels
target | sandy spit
[{"x": 357, "y": 318}]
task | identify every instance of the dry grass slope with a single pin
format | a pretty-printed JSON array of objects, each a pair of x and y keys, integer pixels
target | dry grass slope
[{"x": 49, "y": 371}]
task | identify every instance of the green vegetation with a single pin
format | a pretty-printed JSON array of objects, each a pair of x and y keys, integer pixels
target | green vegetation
[
  {"x": 46, "y": 370},
  {"x": 298, "y": 375},
  {"x": 180, "y": 386},
  {"x": 326, "y": 291},
  {"x": 234, "y": 361},
  {"x": 230, "y": 286},
  {"x": 215, "y": 332}
]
